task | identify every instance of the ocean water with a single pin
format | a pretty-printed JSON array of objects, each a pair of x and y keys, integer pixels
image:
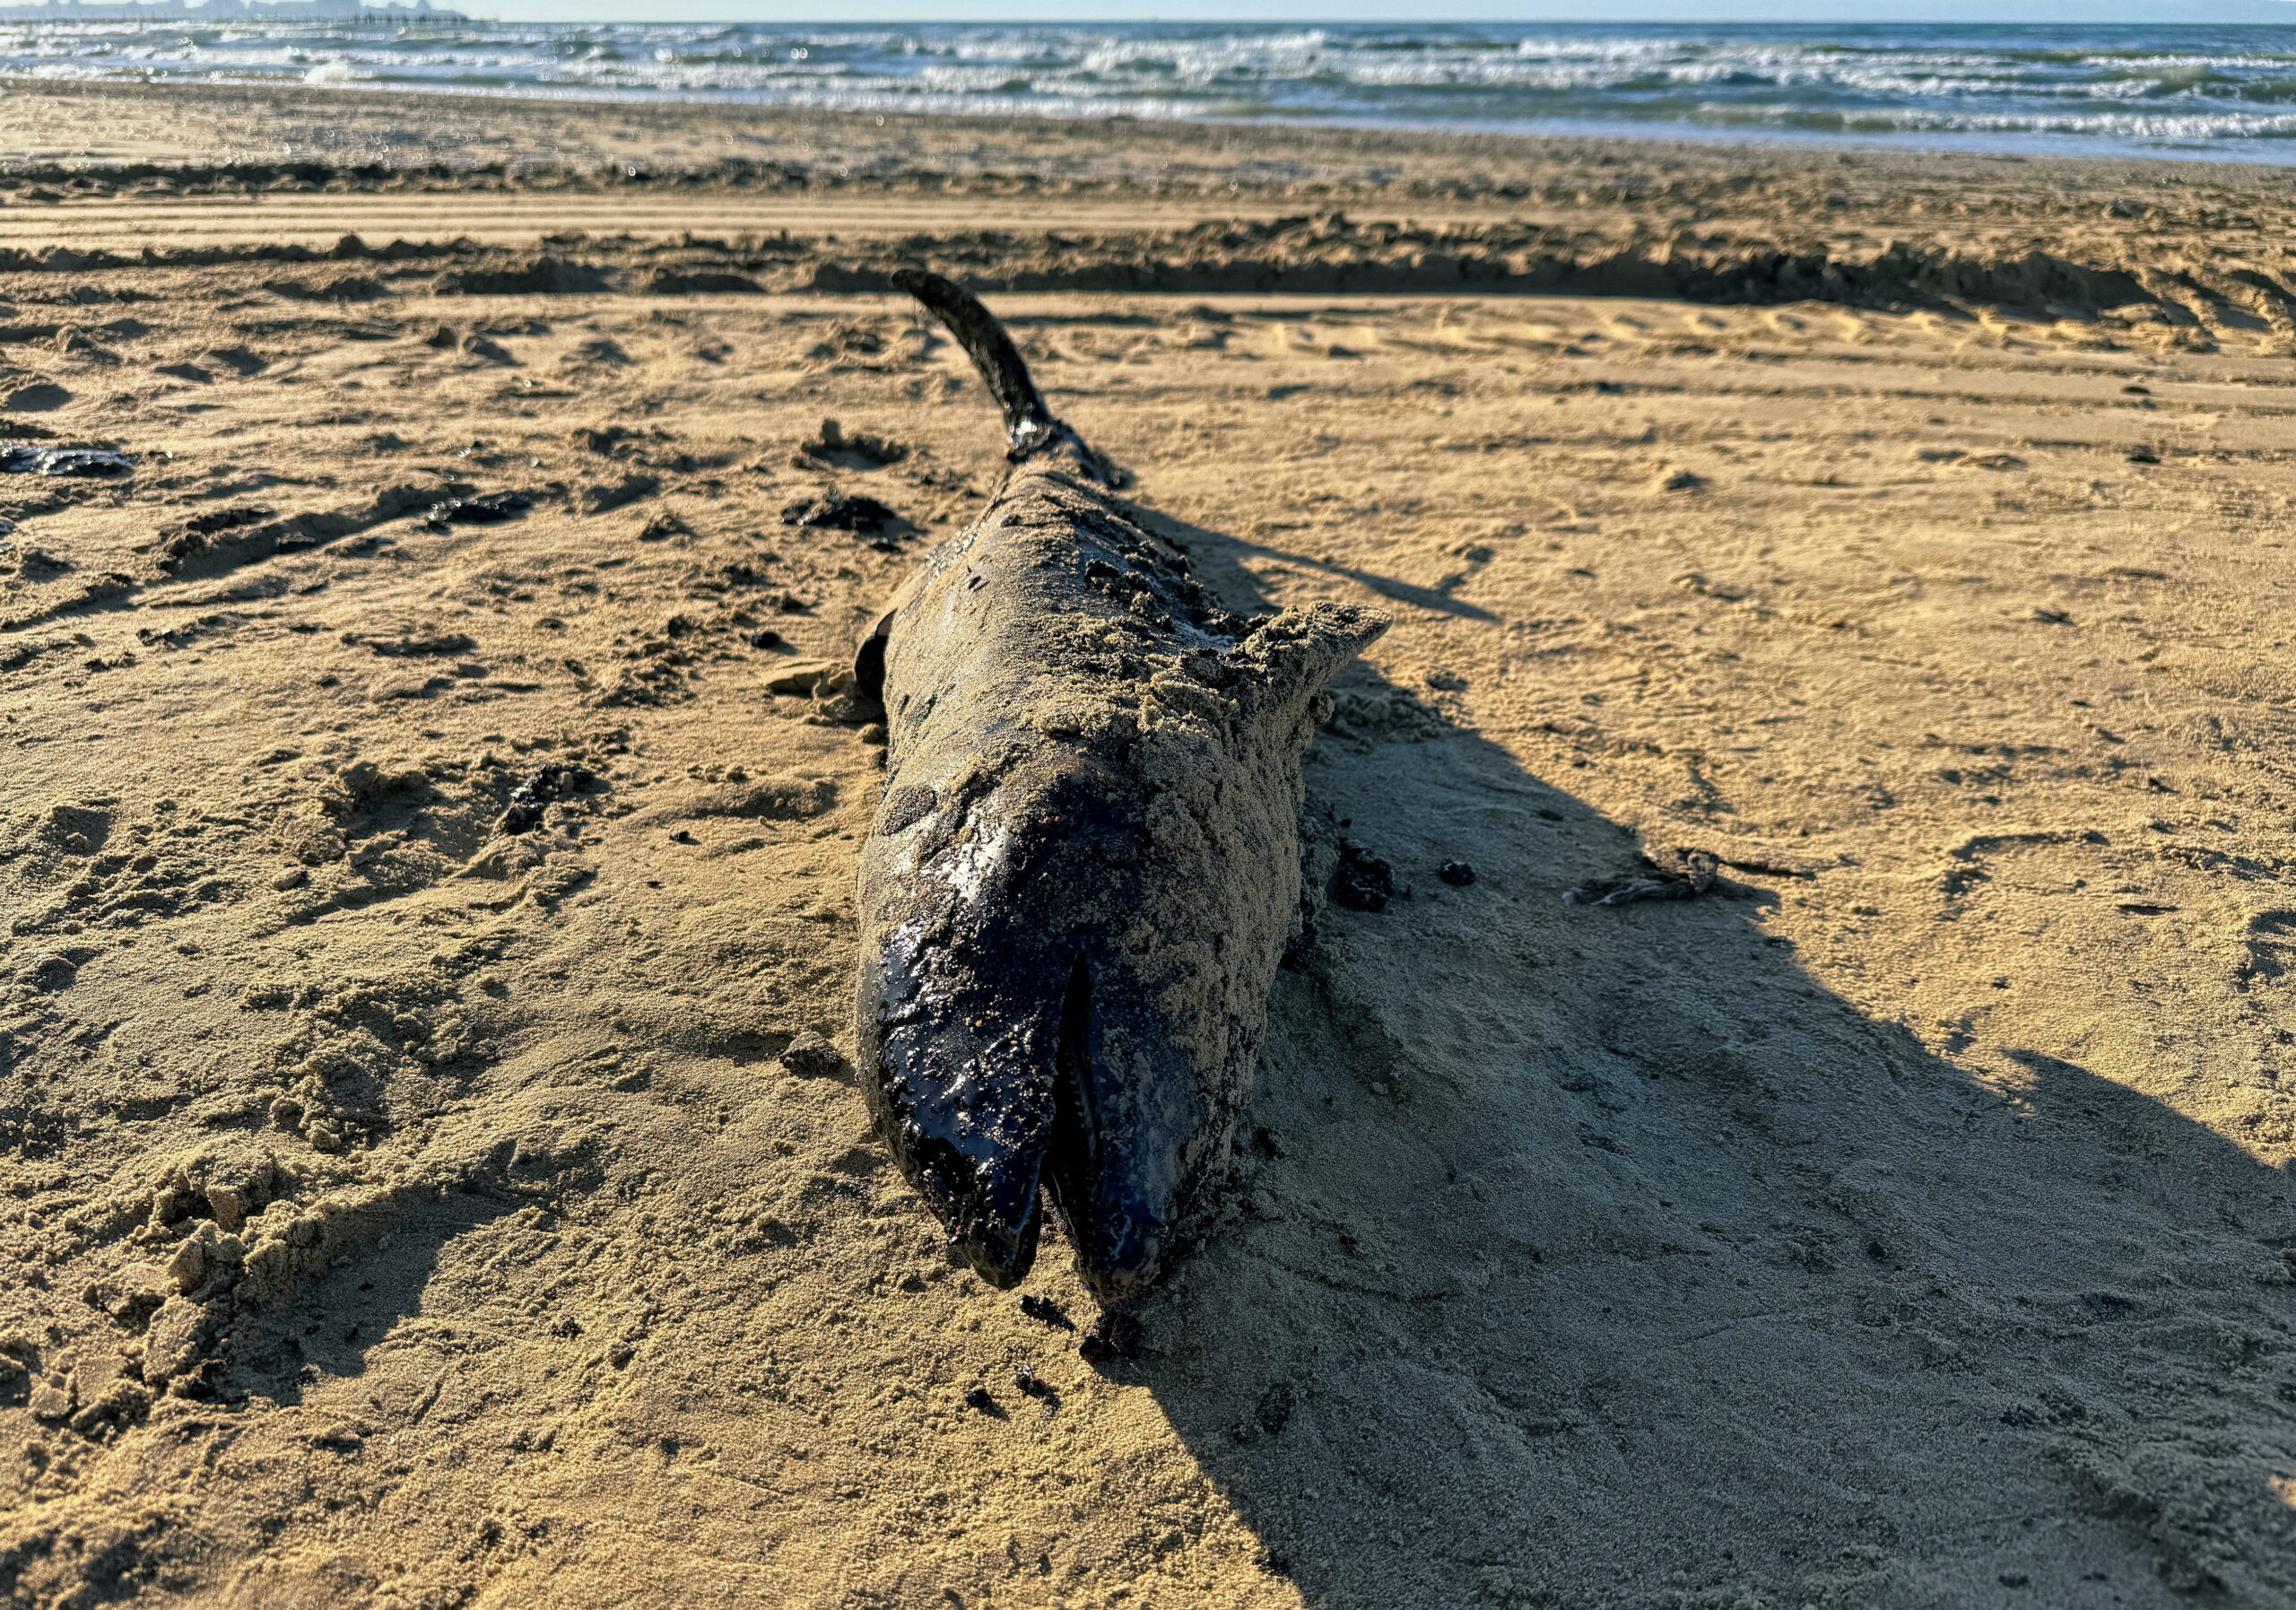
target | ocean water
[{"x": 2204, "y": 92}]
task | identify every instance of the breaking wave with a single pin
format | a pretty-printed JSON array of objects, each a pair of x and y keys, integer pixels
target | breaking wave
[{"x": 2219, "y": 92}]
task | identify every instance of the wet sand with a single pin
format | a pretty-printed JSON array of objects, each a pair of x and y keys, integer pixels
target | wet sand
[{"x": 414, "y": 1211}]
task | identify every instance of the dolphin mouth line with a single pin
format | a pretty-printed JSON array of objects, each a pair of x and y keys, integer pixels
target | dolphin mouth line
[
  {"x": 1071, "y": 1171},
  {"x": 1069, "y": 1157},
  {"x": 994, "y": 1224}
]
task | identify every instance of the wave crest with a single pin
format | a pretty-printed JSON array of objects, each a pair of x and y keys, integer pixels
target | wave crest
[{"x": 2217, "y": 91}]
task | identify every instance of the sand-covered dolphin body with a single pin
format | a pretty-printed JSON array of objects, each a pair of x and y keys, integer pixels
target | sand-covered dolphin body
[{"x": 1086, "y": 863}]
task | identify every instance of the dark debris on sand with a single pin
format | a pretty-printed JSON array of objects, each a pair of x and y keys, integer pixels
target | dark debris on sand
[
  {"x": 553, "y": 782},
  {"x": 835, "y": 511},
  {"x": 22, "y": 458},
  {"x": 860, "y": 450},
  {"x": 1113, "y": 1336},
  {"x": 1362, "y": 882},
  {"x": 488, "y": 511},
  {"x": 1046, "y": 1311},
  {"x": 1682, "y": 875}
]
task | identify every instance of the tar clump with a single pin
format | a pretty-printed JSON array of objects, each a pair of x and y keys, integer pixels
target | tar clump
[
  {"x": 1045, "y": 1311},
  {"x": 1113, "y": 1336},
  {"x": 834, "y": 512},
  {"x": 553, "y": 782},
  {"x": 1458, "y": 873},
  {"x": 1362, "y": 882}
]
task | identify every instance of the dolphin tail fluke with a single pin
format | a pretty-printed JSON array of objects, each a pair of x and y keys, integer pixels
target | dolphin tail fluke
[{"x": 1030, "y": 426}]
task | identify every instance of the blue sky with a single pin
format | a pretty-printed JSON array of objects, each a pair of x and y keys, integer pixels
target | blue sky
[{"x": 1379, "y": 11}]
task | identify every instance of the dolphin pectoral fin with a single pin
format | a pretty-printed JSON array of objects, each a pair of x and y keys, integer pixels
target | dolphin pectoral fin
[
  {"x": 1295, "y": 654},
  {"x": 869, "y": 658},
  {"x": 869, "y": 653}
]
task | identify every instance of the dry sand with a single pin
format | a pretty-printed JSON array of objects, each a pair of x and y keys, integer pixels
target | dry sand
[{"x": 404, "y": 1212}]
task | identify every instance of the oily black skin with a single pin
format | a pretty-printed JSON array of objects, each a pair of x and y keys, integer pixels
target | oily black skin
[{"x": 991, "y": 1027}]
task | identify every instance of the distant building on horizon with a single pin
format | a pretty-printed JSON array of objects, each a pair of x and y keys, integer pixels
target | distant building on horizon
[{"x": 227, "y": 11}]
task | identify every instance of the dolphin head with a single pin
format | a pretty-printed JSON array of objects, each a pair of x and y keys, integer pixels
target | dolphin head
[{"x": 1015, "y": 1053}]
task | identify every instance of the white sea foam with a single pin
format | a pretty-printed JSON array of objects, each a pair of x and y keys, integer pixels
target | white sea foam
[{"x": 2227, "y": 91}]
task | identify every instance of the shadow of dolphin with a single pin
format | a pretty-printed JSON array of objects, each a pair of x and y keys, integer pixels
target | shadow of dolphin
[{"x": 1589, "y": 1256}]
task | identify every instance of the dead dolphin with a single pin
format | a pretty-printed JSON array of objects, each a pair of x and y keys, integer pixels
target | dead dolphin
[{"x": 1086, "y": 862}]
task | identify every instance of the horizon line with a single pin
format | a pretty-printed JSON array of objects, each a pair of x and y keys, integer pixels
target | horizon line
[{"x": 1156, "y": 20}]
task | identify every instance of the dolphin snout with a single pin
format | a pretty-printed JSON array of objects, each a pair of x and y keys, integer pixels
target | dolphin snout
[{"x": 994, "y": 1088}]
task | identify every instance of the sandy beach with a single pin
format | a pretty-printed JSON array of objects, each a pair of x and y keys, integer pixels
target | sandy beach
[{"x": 430, "y": 1170}]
